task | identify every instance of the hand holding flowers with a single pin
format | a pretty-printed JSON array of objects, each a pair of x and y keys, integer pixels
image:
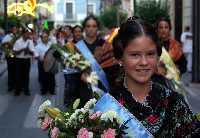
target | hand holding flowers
[{"x": 71, "y": 58}]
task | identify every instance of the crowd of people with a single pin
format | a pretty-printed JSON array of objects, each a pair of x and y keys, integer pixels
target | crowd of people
[
  {"x": 132, "y": 78},
  {"x": 21, "y": 45}
]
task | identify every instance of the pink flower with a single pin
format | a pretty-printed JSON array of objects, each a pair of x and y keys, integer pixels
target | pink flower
[
  {"x": 110, "y": 133},
  {"x": 95, "y": 115},
  {"x": 82, "y": 121},
  {"x": 54, "y": 132},
  {"x": 83, "y": 133},
  {"x": 45, "y": 124}
]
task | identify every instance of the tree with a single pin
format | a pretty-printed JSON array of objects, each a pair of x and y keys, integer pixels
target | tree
[
  {"x": 11, "y": 20},
  {"x": 5, "y": 15},
  {"x": 151, "y": 10},
  {"x": 112, "y": 16}
]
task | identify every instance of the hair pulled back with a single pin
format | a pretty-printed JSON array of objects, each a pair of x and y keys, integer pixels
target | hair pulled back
[{"x": 130, "y": 30}]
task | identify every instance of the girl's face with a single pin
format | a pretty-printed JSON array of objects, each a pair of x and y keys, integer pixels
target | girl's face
[
  {"x": 140, "y": 59},
  {"x": 91, "y": 28},
  {"x": 163, "y": 30}
]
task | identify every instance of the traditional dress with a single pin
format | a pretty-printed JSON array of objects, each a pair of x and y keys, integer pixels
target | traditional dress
[{"x": 164, "y": 112}]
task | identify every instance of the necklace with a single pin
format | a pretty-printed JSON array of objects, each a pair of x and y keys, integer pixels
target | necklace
[{"x": 133, "y": 96}]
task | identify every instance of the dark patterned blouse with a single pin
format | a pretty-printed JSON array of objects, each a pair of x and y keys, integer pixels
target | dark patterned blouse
[{"x": 164, "y": 113}]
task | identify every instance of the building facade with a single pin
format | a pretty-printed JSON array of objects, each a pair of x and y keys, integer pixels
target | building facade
[
  {"x": 128, "y": 7},
  {"x": 180, "y": 14},
  {"x": 125, "y": 5},
  {"x": 1, "y": 7},
  {"x": 187, "y": 13},
  {"x": 74, "y": 11}
]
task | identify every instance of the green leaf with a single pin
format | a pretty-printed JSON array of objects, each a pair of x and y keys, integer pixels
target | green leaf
[{"x": 46, "y": 24}]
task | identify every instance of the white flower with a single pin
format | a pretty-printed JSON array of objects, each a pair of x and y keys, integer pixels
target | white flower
[
  {"x": 77, "y": 56},
  {"x": 82, "y": 110},
  {"x": 39, "y": 122},
  {"x": 44, "y": 105},
  {"x": 76, "y": 103},
  {"x": 66, "y": 55},
  {"x": 90, "y": 104},
  {"x": 109, "y": 115},
  {"x": 92, "y": 78},
  {"x": 66, "y": 114},
  {"x": 83, "y": 64},
  {"x": 90, "y": 134}
]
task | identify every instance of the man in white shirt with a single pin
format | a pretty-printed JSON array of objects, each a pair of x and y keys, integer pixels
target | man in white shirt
[
  {"x": 186, "y": 39},
  {"x": 46, "y": 79},
  {"x": 8, "y": 41},
  {"x": 24, "y": 49}
]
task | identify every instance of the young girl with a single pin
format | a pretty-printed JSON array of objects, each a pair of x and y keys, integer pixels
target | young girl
[{"x": 162, "y": 111}]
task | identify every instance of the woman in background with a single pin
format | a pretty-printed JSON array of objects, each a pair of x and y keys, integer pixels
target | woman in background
[{"x": 174, "y": 48}]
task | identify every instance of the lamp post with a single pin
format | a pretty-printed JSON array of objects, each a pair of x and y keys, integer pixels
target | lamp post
[
  {"x": 87, "y": 7},
  {"x": 196, "y": 41},
  {"x": 5, "y": 16}
]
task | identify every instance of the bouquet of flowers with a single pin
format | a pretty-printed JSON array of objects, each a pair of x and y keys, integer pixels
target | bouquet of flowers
[
  {"x": 71, "y": 57},
  {"x": 171, "y": 72},
  {"x": 8, "y": 46},
  {"x": 80, "y": 123},
  {"x": 75, "y": 62}
]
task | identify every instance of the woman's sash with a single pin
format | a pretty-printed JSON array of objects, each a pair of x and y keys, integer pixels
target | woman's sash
[
  {"x": 94, "y": 64},
  {"x": 135, "y": 129}
]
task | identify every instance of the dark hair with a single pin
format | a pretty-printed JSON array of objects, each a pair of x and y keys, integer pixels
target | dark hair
[
  {"x": 163, "y": 19},
  {"x": 77, "y": 26},
  {"x": 91, "y": 17},
  {"x": 187, "y": 28},
  {"x": 46, "y": 31},
  {"x": 68, "y": 26},
  {"x": 131, "y": 29}
]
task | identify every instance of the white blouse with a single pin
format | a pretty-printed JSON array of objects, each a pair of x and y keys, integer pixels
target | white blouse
[{"x": 21, "y": 44}]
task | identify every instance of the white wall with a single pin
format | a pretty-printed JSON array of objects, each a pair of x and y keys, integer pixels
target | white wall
[
  {"x": 172, "y": 15},
  {"x": 187, "y": 13},
  {"x": 127, "y": 5}
]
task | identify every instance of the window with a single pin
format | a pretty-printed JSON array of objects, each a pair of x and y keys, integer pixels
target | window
[
  {"x": 69, "y": 10},
  {"x": 90, "y": 9}
]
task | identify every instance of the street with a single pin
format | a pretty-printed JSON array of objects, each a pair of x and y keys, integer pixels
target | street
[{"x": 18, "y": 114}]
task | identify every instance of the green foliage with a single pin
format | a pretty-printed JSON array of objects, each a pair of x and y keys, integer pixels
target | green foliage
[
  {"x": 117, "y": 2},
  {"x": 151, "y": 10},
  {"x": 1, "y": 21},
  {"x": 11, "y": 20},
  {"x": 112, "y": 17}
]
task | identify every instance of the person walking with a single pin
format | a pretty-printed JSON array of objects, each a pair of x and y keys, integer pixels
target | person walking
[
  {"x": 186, "y": 39},
  {"x": 46, "y": 79},
  {"x": 8, "y": 42},
  {"x": 24, "y": 50}
]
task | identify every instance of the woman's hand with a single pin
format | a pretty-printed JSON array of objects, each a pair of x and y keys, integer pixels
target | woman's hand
[
  {"x": 98, "y": 53},
  {"x": 161, "y": 69},
  {"x": 84, "y": 76}
]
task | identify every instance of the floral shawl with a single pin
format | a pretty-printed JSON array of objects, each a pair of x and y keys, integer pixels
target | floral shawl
[
  {"x": 175, "y": 49},
  {"x": 164, "y": 112}
]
